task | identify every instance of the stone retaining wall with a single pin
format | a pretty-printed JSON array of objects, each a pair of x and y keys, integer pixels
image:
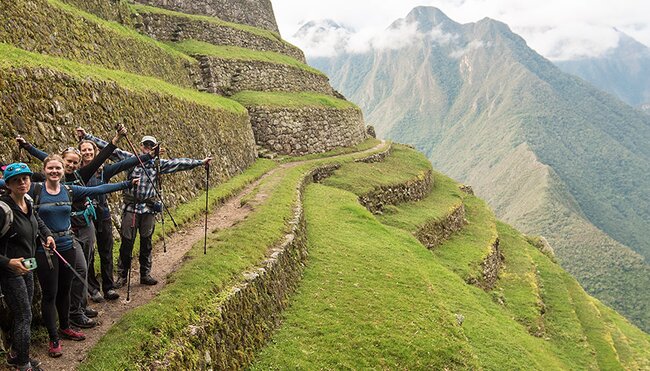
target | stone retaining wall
[
  {"x": 167, "y": 27},
  {"x": 229, "y": 76},
  {"x": 377, "y": 157},
  {"x": 257, "y": 13},
  {"x": 491, "y": 266},
  {"x": 412, "y": 190},
  {"x": 45, "y": 106},
  {"x": 435, "y": 232},
  {"x": 42, "y": 27},
  {"x": 111, "y": 10},
  {"x": 301, "y": 131},
  {"x": 252, "y": 309}
]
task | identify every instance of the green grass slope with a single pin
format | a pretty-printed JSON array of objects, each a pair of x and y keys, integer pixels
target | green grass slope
[{"x": 374, "y": 297}]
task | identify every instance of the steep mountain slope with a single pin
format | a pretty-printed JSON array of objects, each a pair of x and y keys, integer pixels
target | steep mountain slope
[
  {"x": 550, "y": 153},
  {"x": 623, "y": 71}
]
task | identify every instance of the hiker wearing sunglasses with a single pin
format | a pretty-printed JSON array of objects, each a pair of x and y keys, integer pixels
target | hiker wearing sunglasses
[
  {"x": 141, "y": 205},
  {"x": 83, "y": 228},
  {"x": 54, "y": 206},
  {"x": 103, "y": 223},
  {"x": 20, "y": 228}
]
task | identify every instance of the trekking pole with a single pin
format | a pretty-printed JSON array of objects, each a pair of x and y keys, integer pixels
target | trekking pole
[
  {"x": 65, "y": 262},
  {"x": 135, "y": 152},
  {"x": 128, "y": 281},
  {"x": 160, "y": 191},
  {"x": 207, "y": 193}
]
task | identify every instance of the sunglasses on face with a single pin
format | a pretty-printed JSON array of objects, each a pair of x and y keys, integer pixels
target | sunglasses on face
[{"x": 149, "y": 144}]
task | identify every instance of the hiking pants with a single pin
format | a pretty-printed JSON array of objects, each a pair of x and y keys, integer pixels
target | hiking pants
[
  {"x": 19, "y": 291},
  {"x": 131, "y": 224},
  {"x": 79, "y": 292},
  {"x": 105, "y": 241},
  {"x": 55, "y": 284}
]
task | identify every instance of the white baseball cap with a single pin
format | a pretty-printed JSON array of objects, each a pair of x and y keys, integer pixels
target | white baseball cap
[{"x": 149, "y": 138}]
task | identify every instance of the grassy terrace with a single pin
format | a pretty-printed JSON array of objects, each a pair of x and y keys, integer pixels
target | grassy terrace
[
  {"x": 373, "y": 297},
  {"x": 410, "y": 216},
  {"x": 366, "y": 144},
  {"x": 139, "y": 8},
  {"x": 360, "y": 178},
  {"x": 291, "y": 100},
  {"x": 12, "y": 57},
  {"x": 148, "y": 332},
  {"x": 119, "y": 29},
  {"x": 193, "y": 47}
]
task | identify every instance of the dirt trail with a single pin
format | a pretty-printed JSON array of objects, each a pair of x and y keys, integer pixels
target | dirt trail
[{"x": 178, "y": 244}]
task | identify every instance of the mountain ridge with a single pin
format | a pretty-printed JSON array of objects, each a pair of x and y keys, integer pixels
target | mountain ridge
[{"x": 470, "y": 103}]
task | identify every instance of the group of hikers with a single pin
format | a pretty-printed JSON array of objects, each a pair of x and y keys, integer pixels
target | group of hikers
[{"x": 51, "y": 222}]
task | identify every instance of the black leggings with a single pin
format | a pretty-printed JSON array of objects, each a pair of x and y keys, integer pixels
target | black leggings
[
  {"x": 18, "y": 292},
  {"x": 55, "y": 284}
]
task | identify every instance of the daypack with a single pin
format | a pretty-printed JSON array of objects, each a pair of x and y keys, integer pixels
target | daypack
[{"x": 9, "y": 218}]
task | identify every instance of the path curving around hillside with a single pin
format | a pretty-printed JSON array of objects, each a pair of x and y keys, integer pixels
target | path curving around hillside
[{"x": 231, "y": 212}]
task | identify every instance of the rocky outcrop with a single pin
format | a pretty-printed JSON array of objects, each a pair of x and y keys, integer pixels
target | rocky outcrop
[
  {"x": 43, "y": 27},
  {"x": 301, "y": 131},
  {"x": 433, "y": 233},
  {"x": 254, "y": 13},
  {"x": 179, "y": 27},
  {"x": 251, "y": 310},
  {"x": 412, "y": 190},
  {"x": 45, "y": 106},
  {"x": 229, "y": 76}
]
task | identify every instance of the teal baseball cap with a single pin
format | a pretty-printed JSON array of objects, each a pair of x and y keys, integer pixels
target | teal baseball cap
[{"x": 14, "y": 169}]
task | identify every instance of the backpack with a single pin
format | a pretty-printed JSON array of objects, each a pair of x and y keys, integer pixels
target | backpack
[
  {"x": 38, "y": 189},
  {"x": 9, "y": 218}
]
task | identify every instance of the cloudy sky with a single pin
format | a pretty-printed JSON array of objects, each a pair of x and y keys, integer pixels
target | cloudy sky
[{"x": 557, "y": 29}]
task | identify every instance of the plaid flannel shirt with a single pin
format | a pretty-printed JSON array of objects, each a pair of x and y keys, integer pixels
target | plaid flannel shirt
[{"x": 146, "y": 189}]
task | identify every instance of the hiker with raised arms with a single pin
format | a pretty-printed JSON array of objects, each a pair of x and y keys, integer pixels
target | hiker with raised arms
[
  {"x": 141, "y": 205},
  {"x": 53, "y": 201},
  {"x": 20, "y": 228},
  {"x": 103, "y": 224},
  {"x": 83, "y": 215}
]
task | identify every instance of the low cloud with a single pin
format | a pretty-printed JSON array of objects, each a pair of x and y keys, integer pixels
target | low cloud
[{"x": 473, "y": 45}]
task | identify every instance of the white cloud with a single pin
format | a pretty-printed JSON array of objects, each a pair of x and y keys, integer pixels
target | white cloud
[
  {"x": 473, "y": 45},
  {"x": 557, "y": 29}
]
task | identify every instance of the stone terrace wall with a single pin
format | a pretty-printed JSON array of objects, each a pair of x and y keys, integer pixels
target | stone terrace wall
[
  {"x": 166, "y": 27},
  {"x": 257, "y": 13},
  {"x": 252, "y": 310},
  {"x": 111, "y": 10},
  {"x": 491, "y": 266},
  {"x": 45, "y": 106},
  {"x": 412, "y": 190},
  {"x": 300, "y": 131},
  {"x": 229, "y": 76},
  {"x": 40, "y": 27},
  {"x": 435, "y": 232}
]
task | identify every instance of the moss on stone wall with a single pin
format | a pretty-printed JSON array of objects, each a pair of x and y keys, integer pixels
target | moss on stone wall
[
  {"x": 58, "y": 29},
  {"x": 45, "y": 106},
  {"x": 257, "y": 13},
  {"x": 110, "y": 10},
  {"x": 167, "y": 25}
]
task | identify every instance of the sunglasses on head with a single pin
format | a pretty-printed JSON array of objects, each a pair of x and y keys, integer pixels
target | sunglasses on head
[{"x": 71, "y": 149}]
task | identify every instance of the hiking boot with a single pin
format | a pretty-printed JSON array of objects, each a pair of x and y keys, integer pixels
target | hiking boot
[
  {"x": 83, "y": 322},
  {"x": 148, "y": 280},
  {"x": 97, "y": 297},
  {"x": 90, "y": 313},
  {"x": 70, "y": 334},
  {"x": 120, "y": 281},
  {"x": 54, "y": 349},
  {"x": 12, "y": 360},
  {"x": 111, "y": 295}
]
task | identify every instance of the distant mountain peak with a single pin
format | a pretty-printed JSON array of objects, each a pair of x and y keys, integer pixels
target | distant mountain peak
[{"x": 428, "y": 18}]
